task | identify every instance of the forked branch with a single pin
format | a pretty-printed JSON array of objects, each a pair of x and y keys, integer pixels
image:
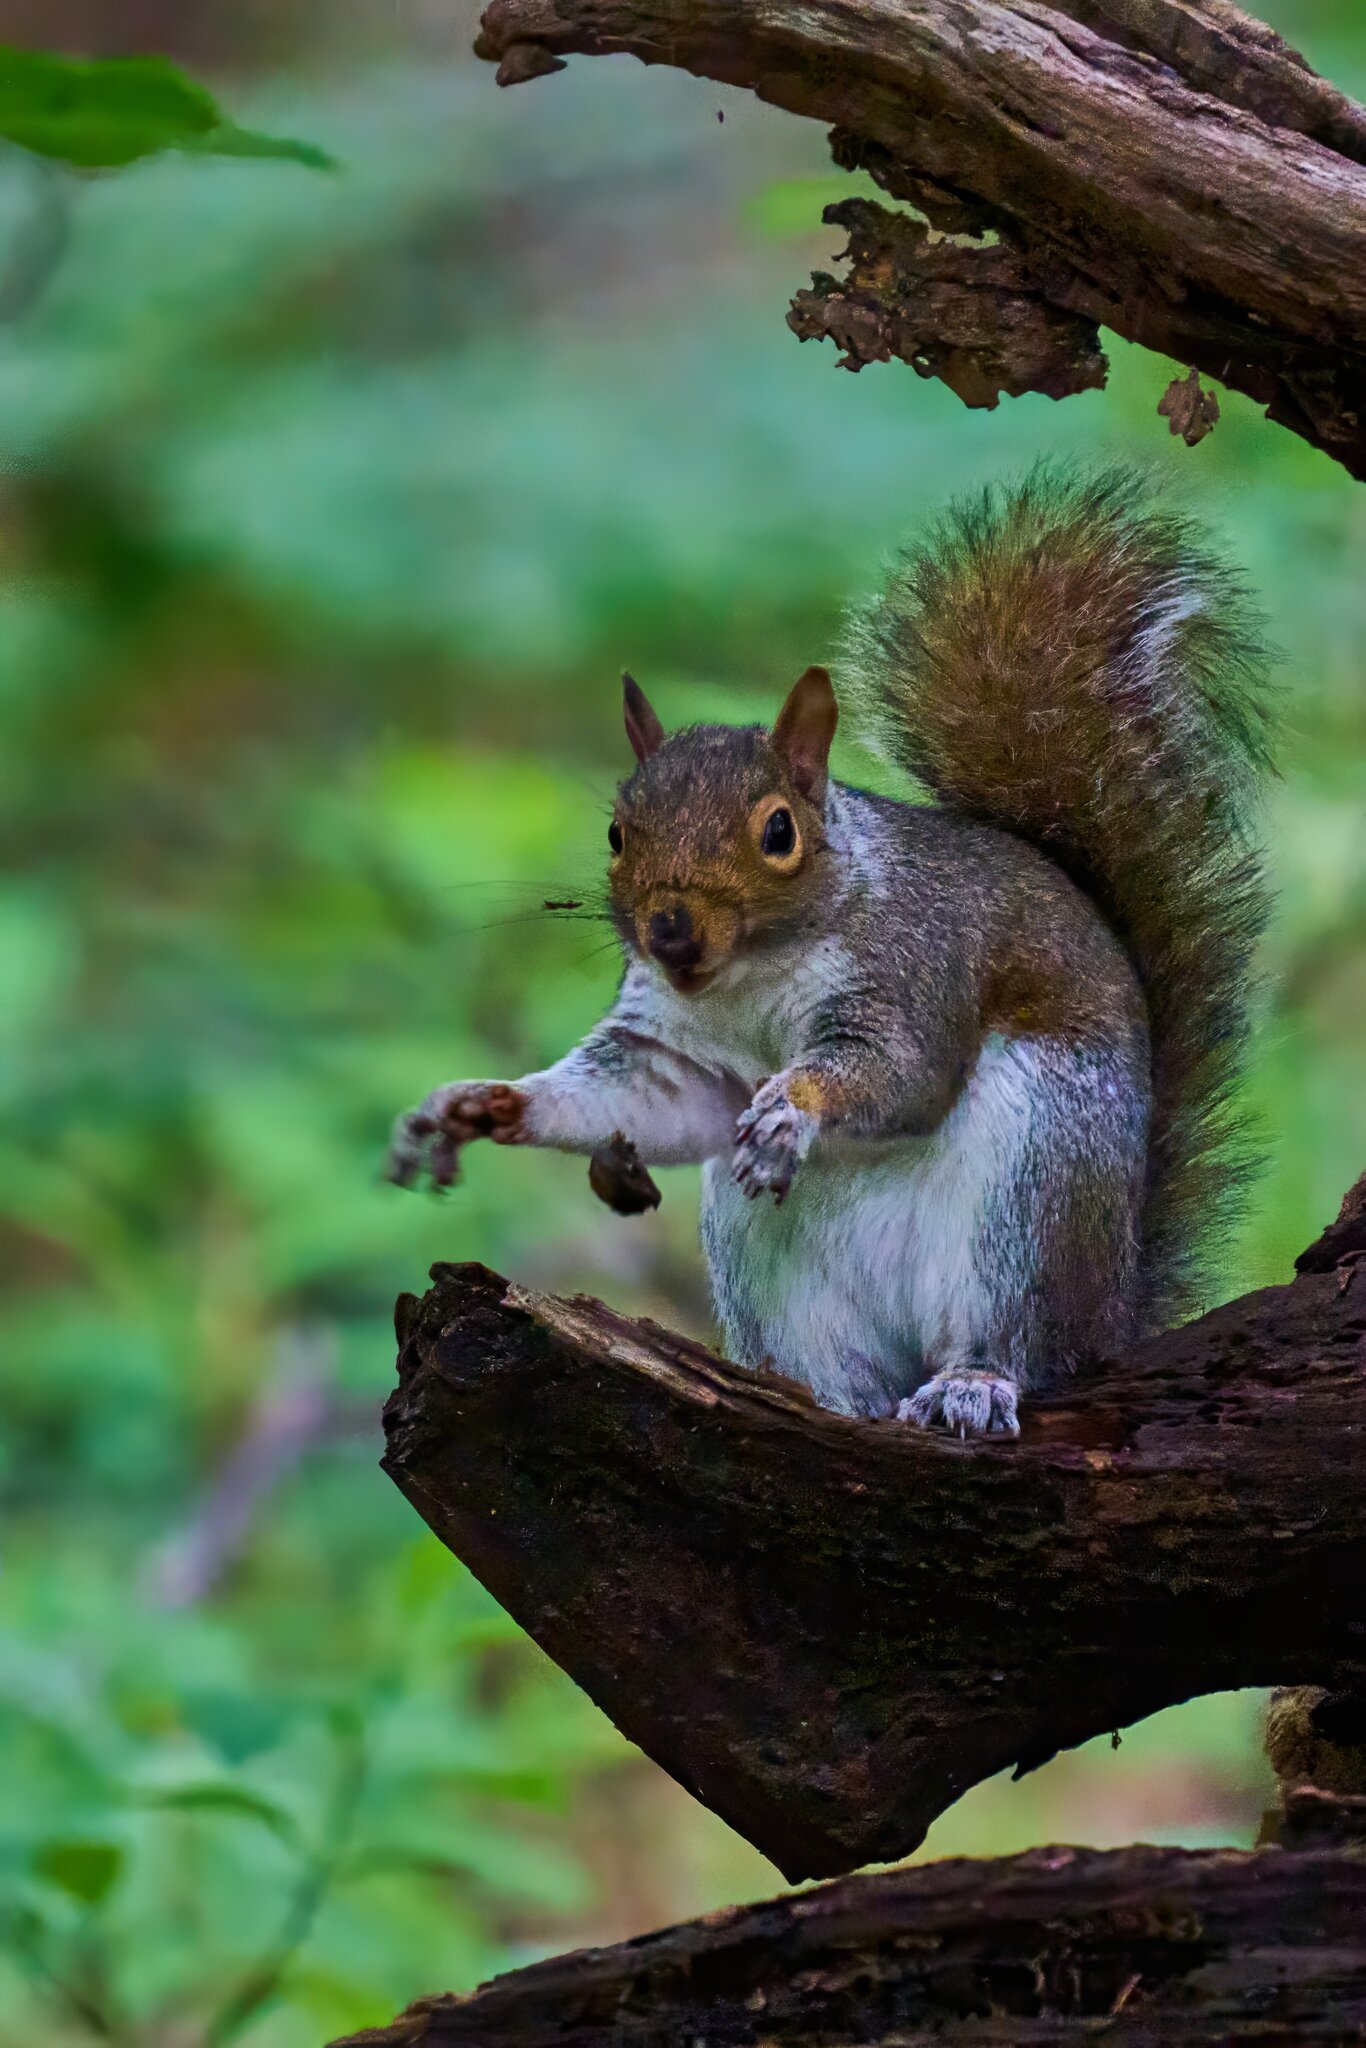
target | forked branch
[{"x": 828, "y": 1629}]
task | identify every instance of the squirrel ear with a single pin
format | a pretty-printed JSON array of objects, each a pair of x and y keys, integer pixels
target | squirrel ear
[
  {"x": 805, "y": 728},
  {"x": 643, "y": 728}
]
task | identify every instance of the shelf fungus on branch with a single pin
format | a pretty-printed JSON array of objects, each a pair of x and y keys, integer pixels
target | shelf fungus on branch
[
  {"x": 828, "y": 1629},
  {"x": 1173, "y": 172}
]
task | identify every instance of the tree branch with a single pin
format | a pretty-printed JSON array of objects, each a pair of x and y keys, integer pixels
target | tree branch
[
  {"x": 1165, "y": 168},
  {"x": 828, "y": 1629},
  {"x": 1135, "y": 1947}
]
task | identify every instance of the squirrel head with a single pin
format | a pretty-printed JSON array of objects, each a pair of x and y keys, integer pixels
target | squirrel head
[{"x": 717, "y": 838}]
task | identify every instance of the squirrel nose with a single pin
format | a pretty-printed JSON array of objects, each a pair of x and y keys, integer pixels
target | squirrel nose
[{"x": 672, "y": 939}]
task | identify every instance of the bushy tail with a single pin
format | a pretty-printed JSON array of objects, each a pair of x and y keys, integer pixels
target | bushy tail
[{"x": 1066, "y": 660}]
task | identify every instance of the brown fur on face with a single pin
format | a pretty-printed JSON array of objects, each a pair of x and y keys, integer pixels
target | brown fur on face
[{"x": 691, "y": 821}]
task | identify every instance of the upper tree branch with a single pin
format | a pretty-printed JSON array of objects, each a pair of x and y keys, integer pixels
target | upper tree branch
[
  {"x": 829, "y": 1629},
  {"x": 1166, "y": 168}
]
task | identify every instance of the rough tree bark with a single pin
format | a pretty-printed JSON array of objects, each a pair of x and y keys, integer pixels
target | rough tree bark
[
  {"x": 1165, "y": 168},
  {"x": 1133, "y": 1947}
]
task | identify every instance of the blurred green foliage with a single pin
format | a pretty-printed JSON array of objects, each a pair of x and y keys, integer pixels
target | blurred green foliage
[{"x": 330, "y": 511}]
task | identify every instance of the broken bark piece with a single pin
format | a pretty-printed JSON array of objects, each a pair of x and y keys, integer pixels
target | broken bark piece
[
  {"x": 617, "y": 1177},
  {"x": 521, "y": 62},
  {"x": 1190, "y": 410},
  {"x": 972, "y": 315}
]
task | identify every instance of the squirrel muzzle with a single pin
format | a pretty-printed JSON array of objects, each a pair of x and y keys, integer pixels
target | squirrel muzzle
[
  {"x": 689, "y": 937},
  {"x": 673, "y": 942}
]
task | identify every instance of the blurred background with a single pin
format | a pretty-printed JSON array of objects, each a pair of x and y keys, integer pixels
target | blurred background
[{"x": 331, "y": 507}]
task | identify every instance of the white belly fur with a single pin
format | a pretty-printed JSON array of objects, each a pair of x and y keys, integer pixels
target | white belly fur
[{"x": 869, "y": 1268}]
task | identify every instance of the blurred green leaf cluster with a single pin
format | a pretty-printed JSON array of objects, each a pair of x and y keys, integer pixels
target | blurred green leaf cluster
[
  {"x": 330, "y": 511},
  {"x": 195, "y": 1845}
]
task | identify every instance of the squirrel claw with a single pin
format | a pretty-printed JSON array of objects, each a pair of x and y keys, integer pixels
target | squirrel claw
[
  {"x": 967, "y": 1403},
  {"x": 409, "y": 1149},
  {"x": 771, "y": 1139},
  {"x": 428, "y": 1139}
]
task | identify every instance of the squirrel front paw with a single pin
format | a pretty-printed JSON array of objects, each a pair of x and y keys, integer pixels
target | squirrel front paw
[
  {"x": 772, "y": 1138},
  {"x": 428, "y": 1139},
  {"x": 967, "y": 1403}
]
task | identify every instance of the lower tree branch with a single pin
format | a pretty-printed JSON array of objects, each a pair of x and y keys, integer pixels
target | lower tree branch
[
  {"x": 1134, "y": 1947},
  {"x": 1166, "y": 168},
  {"x": 828, "y": 1629}
]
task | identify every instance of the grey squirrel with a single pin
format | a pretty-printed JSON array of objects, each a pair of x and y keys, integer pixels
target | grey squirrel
[{"x": 960, "y": 1072}]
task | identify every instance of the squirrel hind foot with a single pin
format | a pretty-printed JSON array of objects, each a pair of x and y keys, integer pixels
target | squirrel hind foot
[{"x": 966, "y": 1403}]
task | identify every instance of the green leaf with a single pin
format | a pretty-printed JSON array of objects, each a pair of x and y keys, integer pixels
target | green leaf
[
  {"x": 86, "y": 1870},
  {"x": 237, "y": 1725},
  {"x": 104, "y": 112},
  {"x": 229, "y": 140}
]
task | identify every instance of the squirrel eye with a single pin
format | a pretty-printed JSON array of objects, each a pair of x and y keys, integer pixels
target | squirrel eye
[
  {"x": 616, "y": 839},
  {"x": 780, "y": 835}
]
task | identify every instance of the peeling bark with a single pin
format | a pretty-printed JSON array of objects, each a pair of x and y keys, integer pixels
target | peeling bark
[
  {"x": 1165, "y": 168},
  {"x": 828, "y": 1629},
  {"x": 978, "y": 319}
]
